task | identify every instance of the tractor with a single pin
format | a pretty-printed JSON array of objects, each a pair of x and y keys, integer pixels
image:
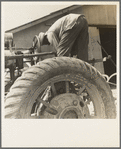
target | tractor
[{"x": 53, "y": 88}]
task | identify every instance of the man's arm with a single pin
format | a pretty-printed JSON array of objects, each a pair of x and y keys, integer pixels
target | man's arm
[{"x": 53, "y": 39}]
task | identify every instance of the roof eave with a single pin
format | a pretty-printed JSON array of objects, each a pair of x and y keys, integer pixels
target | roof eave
[{"x": 50, "y": 16}]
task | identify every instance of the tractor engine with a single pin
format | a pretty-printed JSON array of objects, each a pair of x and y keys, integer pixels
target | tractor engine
[{"x": 8, "y": 40}]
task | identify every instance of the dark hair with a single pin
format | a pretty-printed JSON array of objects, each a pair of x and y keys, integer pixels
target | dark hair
[{"x": 45, "y": 40}]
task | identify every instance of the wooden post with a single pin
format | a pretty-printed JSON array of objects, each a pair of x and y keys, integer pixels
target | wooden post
[{"x": 95, "y": 51}]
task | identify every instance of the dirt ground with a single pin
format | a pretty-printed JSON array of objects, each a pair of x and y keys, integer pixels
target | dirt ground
[
  {"x": 115, "y": 95},
  {"x": 114, "y": 91}
]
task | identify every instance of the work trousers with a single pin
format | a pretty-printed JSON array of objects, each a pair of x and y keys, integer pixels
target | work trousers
[{"x": 75, "y": 41}]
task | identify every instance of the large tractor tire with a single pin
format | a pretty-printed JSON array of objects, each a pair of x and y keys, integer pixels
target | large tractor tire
[{"x": 78, "y": 90}]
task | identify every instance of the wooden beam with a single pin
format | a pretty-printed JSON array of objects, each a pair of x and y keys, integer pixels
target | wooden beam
[{"x": 28, "y": 55}]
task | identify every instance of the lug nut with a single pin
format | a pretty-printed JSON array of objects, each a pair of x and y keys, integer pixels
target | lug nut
[{"x": 75, "y": 102}]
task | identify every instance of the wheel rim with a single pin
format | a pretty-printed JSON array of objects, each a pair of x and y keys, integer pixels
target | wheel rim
[{"x": 75, "y": 111}]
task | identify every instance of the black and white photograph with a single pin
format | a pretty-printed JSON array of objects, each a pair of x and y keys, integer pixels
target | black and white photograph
[{"x": 60, "y": 60}]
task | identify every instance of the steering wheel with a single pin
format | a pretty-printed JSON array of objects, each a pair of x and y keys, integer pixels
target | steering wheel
[
  {"x": 36, "y": 47},
  {"x": 36, "y": 44}
]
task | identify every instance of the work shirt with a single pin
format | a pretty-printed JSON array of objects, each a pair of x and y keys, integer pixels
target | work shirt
[{"x": 62, "y": 25}]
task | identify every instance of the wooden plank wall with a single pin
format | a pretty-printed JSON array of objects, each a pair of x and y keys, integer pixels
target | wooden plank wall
[{"x": 100, "y": 14}]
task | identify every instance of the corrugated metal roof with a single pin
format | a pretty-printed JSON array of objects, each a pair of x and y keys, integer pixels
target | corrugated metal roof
[{"x": 50, "y": 16}]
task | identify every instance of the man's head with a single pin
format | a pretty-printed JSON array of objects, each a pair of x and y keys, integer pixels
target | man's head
[{"x": 40, "y": 40}]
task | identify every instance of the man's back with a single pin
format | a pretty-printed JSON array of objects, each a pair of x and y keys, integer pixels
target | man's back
[{"x": 63, "y": 24}]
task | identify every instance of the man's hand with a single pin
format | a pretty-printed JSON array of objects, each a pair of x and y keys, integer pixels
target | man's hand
[{"x": 31, "y": 50}]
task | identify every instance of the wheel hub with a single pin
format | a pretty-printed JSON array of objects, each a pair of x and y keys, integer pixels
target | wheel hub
[
  {"x": 70, "y": 114},
  {"x": 69, "y": 106}
]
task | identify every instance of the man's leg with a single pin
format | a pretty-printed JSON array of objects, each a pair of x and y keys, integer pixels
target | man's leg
[
  {"x": 80, "y": 47},
  {"x": 68, "y": 38},
  {"x": 66, "y": 42}
]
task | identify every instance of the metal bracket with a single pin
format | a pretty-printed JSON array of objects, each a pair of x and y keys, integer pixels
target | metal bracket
[{"x": 43, "y": 100}]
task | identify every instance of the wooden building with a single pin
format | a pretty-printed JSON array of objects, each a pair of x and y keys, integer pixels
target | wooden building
[{"x": 102, "y": 28}]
